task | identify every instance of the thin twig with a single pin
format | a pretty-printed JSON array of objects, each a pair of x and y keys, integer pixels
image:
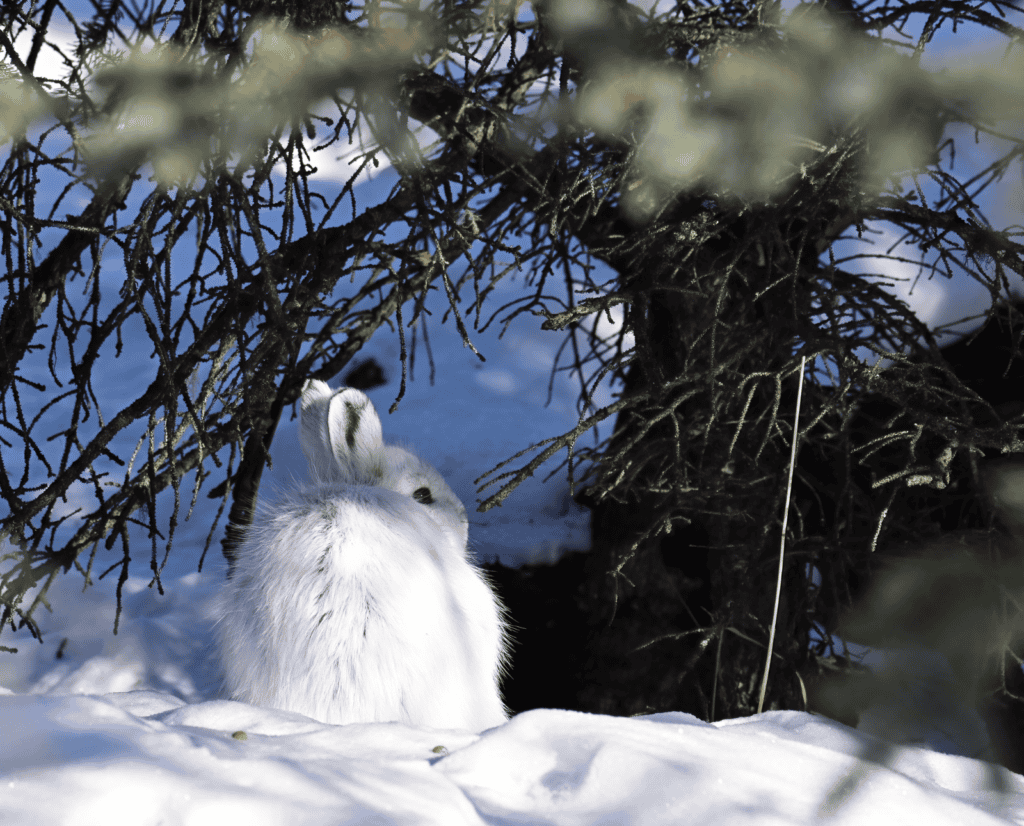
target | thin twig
[{"x": 782, "y": 541}]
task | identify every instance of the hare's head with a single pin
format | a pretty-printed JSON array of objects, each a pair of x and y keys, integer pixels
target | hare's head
[{"x": 342, "y": 439}]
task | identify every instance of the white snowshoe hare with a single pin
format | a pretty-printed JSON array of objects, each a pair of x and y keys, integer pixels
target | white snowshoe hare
[{"x": 354, "y": 600}]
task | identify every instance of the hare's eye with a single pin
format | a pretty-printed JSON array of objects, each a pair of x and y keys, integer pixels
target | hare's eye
[{"x": 423, "y": 496}]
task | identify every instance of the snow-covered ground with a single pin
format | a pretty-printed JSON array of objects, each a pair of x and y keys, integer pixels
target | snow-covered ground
[{"x": 149, "y": 758}]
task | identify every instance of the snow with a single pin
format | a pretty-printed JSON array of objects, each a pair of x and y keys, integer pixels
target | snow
[{"x": 146, "y": 757}]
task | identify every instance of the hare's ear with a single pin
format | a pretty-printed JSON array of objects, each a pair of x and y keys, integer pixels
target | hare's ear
[
  {"x": 356, "y": 437},
  {"x": 313, "y": 433}
]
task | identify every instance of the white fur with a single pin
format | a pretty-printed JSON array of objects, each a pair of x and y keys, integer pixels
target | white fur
[{"x": 351, "y": 601}]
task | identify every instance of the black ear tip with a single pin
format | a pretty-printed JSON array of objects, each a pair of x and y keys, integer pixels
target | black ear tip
[{"x": 353, "y": 415}]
